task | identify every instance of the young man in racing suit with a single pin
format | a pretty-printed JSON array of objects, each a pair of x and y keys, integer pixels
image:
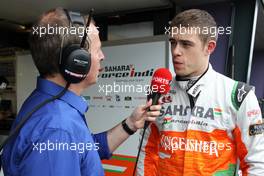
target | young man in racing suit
[{"x": 209, "y": 121}]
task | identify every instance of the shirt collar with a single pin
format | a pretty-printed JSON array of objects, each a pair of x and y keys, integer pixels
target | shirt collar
[{"x": 51, "y": 88}]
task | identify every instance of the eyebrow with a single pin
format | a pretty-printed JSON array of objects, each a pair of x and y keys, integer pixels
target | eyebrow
[{"x": 182, "y": 41}]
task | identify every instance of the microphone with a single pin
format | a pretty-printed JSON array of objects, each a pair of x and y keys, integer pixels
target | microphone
[{"x": 160, "y": 85}]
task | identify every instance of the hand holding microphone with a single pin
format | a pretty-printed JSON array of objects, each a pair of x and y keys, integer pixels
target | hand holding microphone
[{"x": 143, "y": 115}]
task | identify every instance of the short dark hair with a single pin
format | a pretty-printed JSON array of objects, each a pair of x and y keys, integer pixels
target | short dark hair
[
  {"x": 46, "y": 49},
  {"x": 196, "y": 18}
]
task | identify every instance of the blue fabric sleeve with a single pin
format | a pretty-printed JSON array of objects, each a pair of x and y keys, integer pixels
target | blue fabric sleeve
[{"x": 101, "y": 139}]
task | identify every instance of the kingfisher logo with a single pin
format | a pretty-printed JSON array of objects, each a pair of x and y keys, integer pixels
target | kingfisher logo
[
  {"x": 124, "y": 71},
  {"x": 175, "y": 143}
]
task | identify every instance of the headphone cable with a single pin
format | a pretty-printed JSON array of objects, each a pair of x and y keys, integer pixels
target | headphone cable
[
  {"x": 139, "y": 149},
  {"x": 28, "y": 115}
]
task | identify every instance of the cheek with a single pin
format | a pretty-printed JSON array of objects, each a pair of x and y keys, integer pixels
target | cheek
[
  {"x": 190, "y": 55},
  {"x": 193, "y": 59},
  {"x": 197, "y": 53},
  {"x": 93, "y": 60},
  {"x": 95, "y": 65}
]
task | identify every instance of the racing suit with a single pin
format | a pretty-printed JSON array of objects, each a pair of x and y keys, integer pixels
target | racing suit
[{"x": 204, "y": 130}]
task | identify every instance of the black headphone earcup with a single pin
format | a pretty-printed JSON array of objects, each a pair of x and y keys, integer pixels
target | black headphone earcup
[{"x": 75, "y": 63}]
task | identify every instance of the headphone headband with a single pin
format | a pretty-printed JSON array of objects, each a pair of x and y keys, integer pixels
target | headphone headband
[{"x": 74, "y": 17}]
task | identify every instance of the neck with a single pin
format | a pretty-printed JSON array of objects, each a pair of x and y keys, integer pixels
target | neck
[
  {"x": 193, "y": 76},
  {"x": 58, "y": 79},
  {"x": 188, "y": 77}
]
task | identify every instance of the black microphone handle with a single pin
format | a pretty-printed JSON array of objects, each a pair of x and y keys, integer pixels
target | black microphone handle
[{"x": 155, "y": 100}]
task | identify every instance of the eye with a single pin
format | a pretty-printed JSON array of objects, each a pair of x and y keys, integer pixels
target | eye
[
  {"x": 173, "y": 42},
  {"x": 186, "y": 44}
]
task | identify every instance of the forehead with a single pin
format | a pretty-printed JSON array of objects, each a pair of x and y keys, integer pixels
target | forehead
[
  {"x": 93, "y": 29},
  {"x": 185, "y": 34},
  {"x": 94, "y": 34}
]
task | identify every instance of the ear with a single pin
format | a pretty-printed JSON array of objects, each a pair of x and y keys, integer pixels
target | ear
[{"x": 210, "y": 47}]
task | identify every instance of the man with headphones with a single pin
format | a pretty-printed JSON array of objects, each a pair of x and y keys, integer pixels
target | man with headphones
[{"x": 55, "y": 140}]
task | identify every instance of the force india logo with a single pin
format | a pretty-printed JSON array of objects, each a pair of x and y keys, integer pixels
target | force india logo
[
  {"x": 197, "y": 111},
  {"x": 173, "y": 144},
  {"x": 123, "y": 71}
]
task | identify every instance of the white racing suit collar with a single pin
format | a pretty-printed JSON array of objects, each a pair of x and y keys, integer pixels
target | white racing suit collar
[{"x": 194, "y": 86}]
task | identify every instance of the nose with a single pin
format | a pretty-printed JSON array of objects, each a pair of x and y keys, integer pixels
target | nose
[
  {"x": 176, "y": 50},
  {"x": 102, "y": 55}
]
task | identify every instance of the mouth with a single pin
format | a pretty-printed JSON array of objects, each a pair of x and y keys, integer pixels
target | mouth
[
  {"x": 101, "y": 69},
  {"x": 178, "y": 65}
]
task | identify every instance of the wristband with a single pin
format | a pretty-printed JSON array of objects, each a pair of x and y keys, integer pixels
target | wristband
[{"x": 126, "y": 128}]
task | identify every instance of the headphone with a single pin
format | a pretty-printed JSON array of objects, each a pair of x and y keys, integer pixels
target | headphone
[
  {"x": 75, "y": 61},
  {"x": 74, "y": 64}
]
